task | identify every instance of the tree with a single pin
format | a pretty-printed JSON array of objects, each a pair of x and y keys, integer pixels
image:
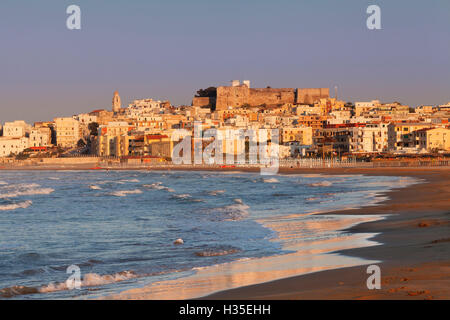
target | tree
[
  {"x": 81, "y": 143},
  {"x": 210, "y": 92},
  {"x": 93, "y": 128}
]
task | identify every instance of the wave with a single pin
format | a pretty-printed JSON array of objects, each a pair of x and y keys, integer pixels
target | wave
[
  {"x": 123, "y": 193},
  {"x": 219, "y": 251},
  {"x": 321, "y": 184},
  {"x": 91, "y": 280},
  {"x": 215, "y": 192},
  {"x": 129, "y": 180},
  {"x": 232, "y": 212},
  {"x": 14, "y": 206},
  {"x": 20, "y": 186},
  {"x": 158, "y": 186},
  {"x": 2, "y": 183},
  {"x": 110, "y": 181},
  {"x": 32, "y": 190},
  {"x": 17, "y": 291},
  {"x": 95, "y": 187},
  {"x": 271, "y": 180},
  {"x": 182, "y": 196}
]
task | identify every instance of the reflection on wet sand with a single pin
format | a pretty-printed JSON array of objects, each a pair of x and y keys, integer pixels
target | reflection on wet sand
[{"x": 293, "y": 232}]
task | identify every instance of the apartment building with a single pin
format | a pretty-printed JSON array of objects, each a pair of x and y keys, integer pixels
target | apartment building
[
  {"x": 433, "y": 139},
  {"x": 303, "y": 135},
  {"x": 13, "y": 145},
  {"x": 40, "y": 137},
  {"x": 16, "y": 129},
  {"x": 67, "y": 132},
  {"x": 373, "y": 137}
]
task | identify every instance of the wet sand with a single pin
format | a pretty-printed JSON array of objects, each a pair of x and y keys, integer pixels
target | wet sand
[{"x": 415, "y": 253}]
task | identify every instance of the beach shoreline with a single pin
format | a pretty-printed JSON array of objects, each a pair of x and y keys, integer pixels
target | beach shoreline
[{"x": 415, "y": 252}]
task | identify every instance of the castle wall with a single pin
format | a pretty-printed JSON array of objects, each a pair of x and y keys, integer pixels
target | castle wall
[
  {"x": 203, "y": 101},
  {"x": 240, "y": 95},
  {"x": 271, "y": 96},
  {"x": 309, "y": 95},
  {"x": 232, "y": 96}
]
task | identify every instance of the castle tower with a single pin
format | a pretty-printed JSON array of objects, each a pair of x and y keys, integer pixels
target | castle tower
[{"x": 116, "y": 105}]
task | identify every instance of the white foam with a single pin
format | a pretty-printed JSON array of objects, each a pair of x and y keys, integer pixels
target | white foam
[
  {"x": 236, "y": 211},
  {"x": 14, "y": 206},
  {"x": 91, "y": 280},
  {"x": 215, "y": 192},
  {"x": 271, "y": 180},
  {"x": 321, "y": 184},
  {"x": 95, "y": 187},
  {"x": 129, "y": 180},
  {"x": 123, "y": 193},
  {"x": 158, "y": 186},
  {"x": 2, "y": 183},
  {"x": 27, "y": 192},
  {"x": 182, "y": 196}
]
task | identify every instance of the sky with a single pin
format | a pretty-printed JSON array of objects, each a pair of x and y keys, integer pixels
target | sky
[{"x": 168, "y": 49}]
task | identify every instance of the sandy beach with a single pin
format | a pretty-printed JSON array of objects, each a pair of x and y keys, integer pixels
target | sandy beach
[{"x": 414, "y": 255}]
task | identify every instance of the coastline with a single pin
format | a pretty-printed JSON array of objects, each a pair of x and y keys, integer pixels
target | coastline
[{"x": 415, "y": 251}]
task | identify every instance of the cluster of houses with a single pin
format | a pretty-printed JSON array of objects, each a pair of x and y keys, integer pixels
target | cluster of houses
[{"x": 313, "y": 126}]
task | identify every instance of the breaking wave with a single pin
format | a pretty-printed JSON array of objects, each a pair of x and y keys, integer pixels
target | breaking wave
[
  {"x": 17, "y": 291},
  {"x": 89, "y": 280},
  {"x": 158, "y": 186},
  {"x": 321, "y": 184},
  {"x": 123, "y": 193},
  {"x": 14, "y": 206},
  {"x": 271, "y": 180},
  {"x": 95, "y": 187},
  {"x": 215, "y": 192},
  {"x": 232, "y": 212},
  {"x": 31, "y": 189},
  {"x": 129, "y": 180},
  {"x": 182, "y": 196}
]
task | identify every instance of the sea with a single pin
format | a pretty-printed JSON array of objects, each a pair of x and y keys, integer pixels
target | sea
[{"x": 118, "y": 230}]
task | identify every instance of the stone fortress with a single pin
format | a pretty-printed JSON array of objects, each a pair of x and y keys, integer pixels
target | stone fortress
[{"x": 238, "y": 95}]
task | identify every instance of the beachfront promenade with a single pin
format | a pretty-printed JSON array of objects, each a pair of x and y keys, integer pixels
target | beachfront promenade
[{"x": 85, "y": 163}]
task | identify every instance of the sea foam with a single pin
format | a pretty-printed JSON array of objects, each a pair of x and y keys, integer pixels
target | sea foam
[
  {"x": 123, "y": 193},
  {"x": 14, "y": 206},
  {"x": 321, "y": 184},
  {"x": 25, "y": 190}
]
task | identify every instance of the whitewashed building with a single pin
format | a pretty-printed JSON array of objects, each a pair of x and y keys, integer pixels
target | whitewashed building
[
  {"x": 16, "y": 129},
  {"x": 67, "y": 132},
  {"x": 12, "y": 145}
]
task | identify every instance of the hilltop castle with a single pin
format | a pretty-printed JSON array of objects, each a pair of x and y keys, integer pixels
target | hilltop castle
[{"x": 238, "y": 95}]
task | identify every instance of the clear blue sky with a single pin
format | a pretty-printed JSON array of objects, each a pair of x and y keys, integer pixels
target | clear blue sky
[{"x": 168, "y": 49}]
